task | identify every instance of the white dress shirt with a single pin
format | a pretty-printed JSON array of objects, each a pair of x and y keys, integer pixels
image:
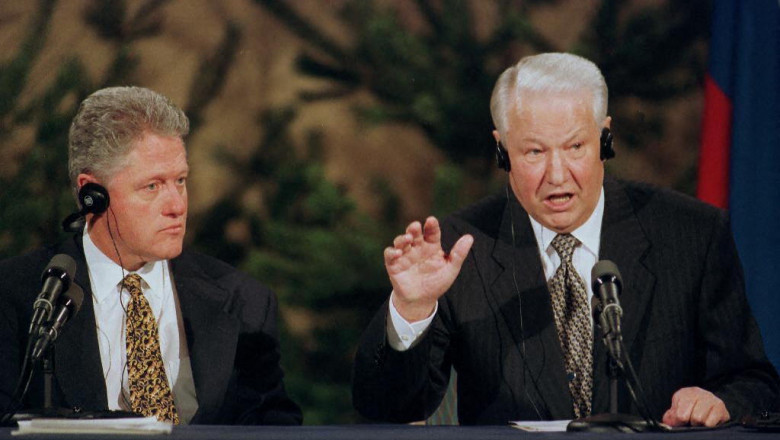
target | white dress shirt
[
  {"x": 401, "y": 334},
  {"x": 106, "y": 277}
]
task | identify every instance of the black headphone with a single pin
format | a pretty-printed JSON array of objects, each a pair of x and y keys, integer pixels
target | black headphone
[
  {"x": 93, "y": 199},
  {"x": 606, "y": 152}
]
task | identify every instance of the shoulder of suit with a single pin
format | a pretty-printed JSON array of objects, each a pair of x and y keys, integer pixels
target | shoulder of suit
[
  {"x": 21, "y": 274},
  {"x": 204, "y": 264},
  {"x": 482, "y": 216},
  {"x": 666, "y": 206},
  {"x": 34, "y": 260},
  {"x": 192, "y": 263}
]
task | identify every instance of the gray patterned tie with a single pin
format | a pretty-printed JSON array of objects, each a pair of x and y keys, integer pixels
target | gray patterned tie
[{"x": 570, "y": 308}]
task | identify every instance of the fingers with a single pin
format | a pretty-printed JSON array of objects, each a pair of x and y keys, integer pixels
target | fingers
[
  {"x": 402, "y": 241},
  {"x": 415, "y": 230},
  {"x": 391, "y": 254},
  {"x": 460, "y": 250},
  {"x": 696, "y": 406},
  {"x": 680, "y": 412},
  {"x": 432, "y": 231},
  {"x": 426, "y": 236}
]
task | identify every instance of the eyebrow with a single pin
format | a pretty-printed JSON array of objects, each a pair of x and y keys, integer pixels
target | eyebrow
[{"x": 570, "y": 137}]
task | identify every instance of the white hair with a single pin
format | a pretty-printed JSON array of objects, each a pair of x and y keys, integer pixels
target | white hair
[{"x": 547, "y": 72}]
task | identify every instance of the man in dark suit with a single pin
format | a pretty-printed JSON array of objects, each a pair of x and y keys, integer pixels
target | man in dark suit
[
  {"x": 208, "y": 346},
  {"x": 493, "y": 308}
]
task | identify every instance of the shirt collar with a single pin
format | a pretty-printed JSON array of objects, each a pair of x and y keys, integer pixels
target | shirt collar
[
  {"x": 105, "y": 275},
  {"x": 589, "y": 233}
]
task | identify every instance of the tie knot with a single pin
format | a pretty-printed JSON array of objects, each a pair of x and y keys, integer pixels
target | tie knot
[
  {"x": 132, "y": 283},
  {"x": 564, "y": 244}
]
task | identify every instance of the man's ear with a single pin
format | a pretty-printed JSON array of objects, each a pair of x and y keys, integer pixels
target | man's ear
[
  {"x": 84, "y": 178},
  {"x": 496, "y": 136}
]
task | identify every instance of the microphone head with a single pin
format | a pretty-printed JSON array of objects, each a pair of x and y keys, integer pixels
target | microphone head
[
  {"x": 60, "y": 264},
  {"x": 605, "y": 271},
  {"x": 76, "y": 297}
]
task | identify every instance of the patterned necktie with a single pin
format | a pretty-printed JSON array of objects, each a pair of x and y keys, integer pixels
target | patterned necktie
[
  {"x": 150, "y": 394},
  {"x": 572, "y": 319}
]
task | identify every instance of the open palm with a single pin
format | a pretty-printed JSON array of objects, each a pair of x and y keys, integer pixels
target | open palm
[{"x": 420, "y": 271}]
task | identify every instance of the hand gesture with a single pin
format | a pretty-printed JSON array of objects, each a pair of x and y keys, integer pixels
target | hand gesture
[{"x": 419, "y": 270}]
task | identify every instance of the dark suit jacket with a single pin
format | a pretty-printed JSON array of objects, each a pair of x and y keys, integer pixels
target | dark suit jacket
[
  {"x": 230, "y": 326},
  {"x": 686, "y": 320}
]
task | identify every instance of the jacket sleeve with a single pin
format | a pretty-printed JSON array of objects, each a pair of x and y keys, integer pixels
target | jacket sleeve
[
  {"x": 260, "y": 397},
  {"x": 737, "y": 369},
  {"x": 400, "y": 386}
]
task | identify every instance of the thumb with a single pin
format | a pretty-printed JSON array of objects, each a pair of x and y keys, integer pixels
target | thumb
[{"x": 460, "y": 251}]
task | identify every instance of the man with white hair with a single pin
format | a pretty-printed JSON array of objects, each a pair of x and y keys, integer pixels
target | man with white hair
[{"x": 508, "y": 303}]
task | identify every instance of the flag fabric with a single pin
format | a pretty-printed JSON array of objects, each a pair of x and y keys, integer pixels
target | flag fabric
[{"x": 739, "y": 165}]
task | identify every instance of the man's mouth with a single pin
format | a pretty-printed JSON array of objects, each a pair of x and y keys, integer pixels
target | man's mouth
[
  {"x": 559, "y": 198},
  {"x": 173, "y": 229}
]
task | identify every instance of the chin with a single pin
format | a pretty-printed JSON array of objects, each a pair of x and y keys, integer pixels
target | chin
[
  {"x": 169, "y": 252},
  {"x": 562, "y": 227}
]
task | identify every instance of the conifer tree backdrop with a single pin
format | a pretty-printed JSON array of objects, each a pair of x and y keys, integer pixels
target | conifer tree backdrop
[{"x": 320, "y": 128}]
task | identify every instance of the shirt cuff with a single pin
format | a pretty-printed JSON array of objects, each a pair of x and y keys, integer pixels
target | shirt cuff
[{"x": 401, "y": 334}]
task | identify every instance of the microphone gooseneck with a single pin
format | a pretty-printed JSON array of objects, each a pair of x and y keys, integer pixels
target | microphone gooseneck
[{"x": 68, "y": 306}]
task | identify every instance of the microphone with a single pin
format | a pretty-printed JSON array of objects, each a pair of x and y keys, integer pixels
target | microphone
[
  {"x": 68, "y": 306},
  {"x": 55, "y": 278},
  {"x": 607, "y": 284}
]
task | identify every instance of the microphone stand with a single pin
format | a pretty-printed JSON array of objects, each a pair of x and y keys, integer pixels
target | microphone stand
[
  {"x": 613, "y": 372},
  {"x": 48, "y": 380},
  {"x": 614, "y": 421},
  {"x": 13, "y": 413}
]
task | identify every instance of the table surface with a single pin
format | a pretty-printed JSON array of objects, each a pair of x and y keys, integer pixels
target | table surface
[{"x": 395, "y": 432}]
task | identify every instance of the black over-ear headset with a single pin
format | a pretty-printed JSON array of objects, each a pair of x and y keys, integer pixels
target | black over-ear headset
[
  {"x": 93, "y": 199},
  {"x": 606, "y": 152}
]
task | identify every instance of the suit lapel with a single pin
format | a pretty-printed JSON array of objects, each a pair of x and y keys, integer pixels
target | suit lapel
[
  {"x": 518, "y": 289},
  {"x": 211, "y": 332},
  {"x": 624, "y": 242},
  {"x": 79, "y": 371}
]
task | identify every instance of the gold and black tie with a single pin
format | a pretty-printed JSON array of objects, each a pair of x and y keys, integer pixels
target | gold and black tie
[
  {"x": 572, "y": 319},
  {"x": 150, "y": 394}
]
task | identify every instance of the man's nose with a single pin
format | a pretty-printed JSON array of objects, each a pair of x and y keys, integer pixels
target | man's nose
[
  {"x": 176, "y": 200},
  {"x": 557, "y": 167}
]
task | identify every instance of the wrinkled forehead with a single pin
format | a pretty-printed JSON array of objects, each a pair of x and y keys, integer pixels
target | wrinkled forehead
[
  {"x": 153, "y": 154},
  {"x": 558, "y": 105}
]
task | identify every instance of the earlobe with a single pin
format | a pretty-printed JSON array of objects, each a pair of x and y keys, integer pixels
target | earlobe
[{"x": 496, "y": 136}]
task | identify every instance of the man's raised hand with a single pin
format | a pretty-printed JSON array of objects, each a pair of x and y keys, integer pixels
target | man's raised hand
[{"x": 419, "y": 270}]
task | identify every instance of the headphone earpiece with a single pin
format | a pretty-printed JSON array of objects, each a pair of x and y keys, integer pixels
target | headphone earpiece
[
  {"x": 502, "y": 158},
  {"x": 93, "y": 199},
  {"x": 607, "y": 152}
]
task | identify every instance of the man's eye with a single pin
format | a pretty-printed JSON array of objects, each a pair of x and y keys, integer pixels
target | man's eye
[
  {"x": 151, "y": 186},
  {"x": 181, "y": 180},
  {"x": 576, "y": 146}
]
